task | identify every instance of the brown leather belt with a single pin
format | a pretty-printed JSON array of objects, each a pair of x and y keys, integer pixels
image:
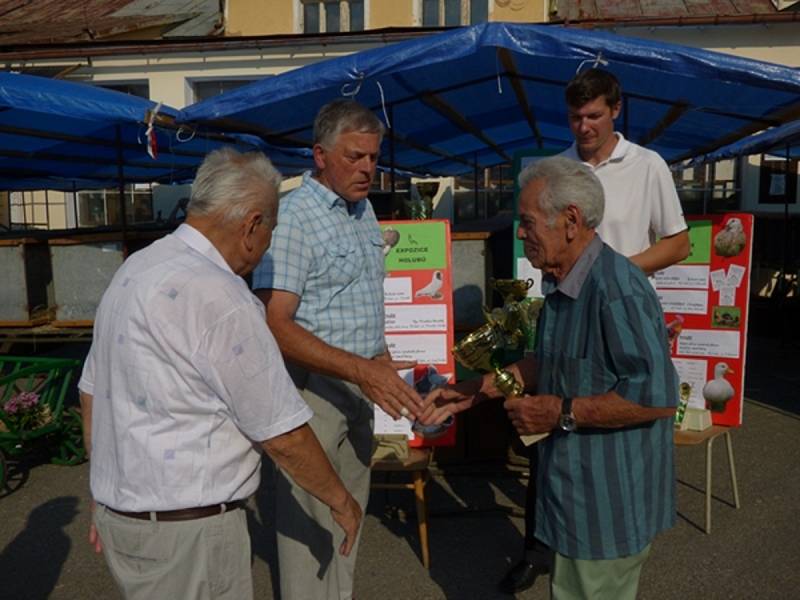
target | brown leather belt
[{"x": 183, "y": 514}]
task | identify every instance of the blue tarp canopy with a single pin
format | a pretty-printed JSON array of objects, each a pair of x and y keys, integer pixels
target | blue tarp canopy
[
  {"x": 778, "y": 140},
  {"x": 63, "y": 135},
  {"x": 473, "y": 96}
]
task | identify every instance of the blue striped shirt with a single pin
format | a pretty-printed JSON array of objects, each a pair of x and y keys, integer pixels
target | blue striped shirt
[
  {"x": 329, "y": 253},
  {"x": 605, "y": 493}
]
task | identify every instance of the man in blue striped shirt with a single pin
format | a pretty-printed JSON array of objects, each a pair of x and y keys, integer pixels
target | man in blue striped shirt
[
  {"x": 322, "y": 283},
  {"x": 601, "y": 383}
]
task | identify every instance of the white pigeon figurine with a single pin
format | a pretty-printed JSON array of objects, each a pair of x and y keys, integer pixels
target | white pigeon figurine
[
  {"x": 432, "y": 290},
  {"x": 718, "y": 391},
  {"x": 731, "y": 240}
]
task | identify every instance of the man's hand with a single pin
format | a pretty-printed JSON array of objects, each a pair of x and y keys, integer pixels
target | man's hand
[
  {"x": 533, "y": 414},
  {"x": 299, "y": 455},
  {"x": 94, "y": 537},
  {"x": 379, "y": 381},
  {"x": 348, "y": 517},
  {"x": 449, "y": 400}
]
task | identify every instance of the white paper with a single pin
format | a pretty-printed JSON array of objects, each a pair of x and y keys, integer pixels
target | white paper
[
  {"x": 427, "y": 317},
  {"x": 526, "y": 271},
  {"x": 693, "y": 372},
  {"x": 706, "y": 342},
  {"x": 397, "y": 289},
  {"x": 425, "y": 348},
  {"x": 718, "y": 279},
  {"x": 683, "y": 276},
  {"x": 735, "y": 275},
  {"x": 385, "y": 424},
  {"x": 690, "y": 302},
  {"x": 727, "y": 296}
]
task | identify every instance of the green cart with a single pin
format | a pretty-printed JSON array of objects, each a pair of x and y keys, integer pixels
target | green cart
[{"x": 32, "y": 411}]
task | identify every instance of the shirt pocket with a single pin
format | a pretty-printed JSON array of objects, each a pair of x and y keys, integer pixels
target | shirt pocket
[
  {"x": 344, "y": 262},
  {"x": 376, "y": 266},
  {"x": 571, "y": 376}
]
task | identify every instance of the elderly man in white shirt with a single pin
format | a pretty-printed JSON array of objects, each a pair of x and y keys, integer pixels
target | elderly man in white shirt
[{"x": 183, "y": 385}]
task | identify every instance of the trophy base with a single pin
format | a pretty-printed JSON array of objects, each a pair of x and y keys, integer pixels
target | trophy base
[
  {"x": 697, "y": 419},
  {"x": 529, "y": 440}
]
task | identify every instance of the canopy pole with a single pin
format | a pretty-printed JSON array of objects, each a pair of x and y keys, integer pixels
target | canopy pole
[
  {"x": 708, "y": 191},
  {"x": 785, "y": 266},
  {"x": 76, "y": 223},
  {"x": 475, "y": 185},
  {"x": 392, "y": 173},
  {"x": 121, "y": 184},
  {"x": 625, "y": 117},
  {"x": 47, "y": 207}
]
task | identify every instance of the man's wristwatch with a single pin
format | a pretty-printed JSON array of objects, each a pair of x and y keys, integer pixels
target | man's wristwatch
[{"x": 566, "y": 421}]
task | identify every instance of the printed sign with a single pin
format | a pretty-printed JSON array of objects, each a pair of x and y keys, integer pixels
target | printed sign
[
  {"x": 418, "y": 298},
  {"x": 705, "y": 301}
]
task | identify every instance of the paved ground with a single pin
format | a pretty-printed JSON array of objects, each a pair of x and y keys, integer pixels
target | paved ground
[{"x": 753, "y": 552}]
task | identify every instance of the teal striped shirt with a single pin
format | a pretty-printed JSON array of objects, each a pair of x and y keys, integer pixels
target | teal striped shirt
[{"x": 605, "y": 493}]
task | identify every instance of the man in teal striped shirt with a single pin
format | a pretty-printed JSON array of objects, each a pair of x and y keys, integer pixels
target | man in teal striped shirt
[{"x": 601, "y": 382}]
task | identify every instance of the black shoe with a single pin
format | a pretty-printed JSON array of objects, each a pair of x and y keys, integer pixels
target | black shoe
[{"x": 520, "y": 577}]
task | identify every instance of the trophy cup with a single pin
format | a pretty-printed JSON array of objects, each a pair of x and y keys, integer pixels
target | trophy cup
[
  {"x": 685, "y": 391},
  {"x": 509, "y": 327}
]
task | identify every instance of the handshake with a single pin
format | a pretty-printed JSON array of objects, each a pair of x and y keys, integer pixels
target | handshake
[{"x": 508, "y": 328}]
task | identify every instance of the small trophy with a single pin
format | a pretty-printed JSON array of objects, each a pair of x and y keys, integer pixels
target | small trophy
[
  {"x": 685, "y": 391},
  {"x": 509, "y": 327}
]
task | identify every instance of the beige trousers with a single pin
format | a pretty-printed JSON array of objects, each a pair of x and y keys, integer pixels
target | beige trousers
[
  {"x": 310, "y": 565},
  {"x": 201, "y": 559}
]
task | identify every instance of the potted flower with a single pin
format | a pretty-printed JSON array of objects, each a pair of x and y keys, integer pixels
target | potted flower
[{"x": 24, "y": 412}]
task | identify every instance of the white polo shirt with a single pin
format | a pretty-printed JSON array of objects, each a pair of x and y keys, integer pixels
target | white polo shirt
[
  {"x": 184, "y": 373},
  {"x": 642, "y": 204}
]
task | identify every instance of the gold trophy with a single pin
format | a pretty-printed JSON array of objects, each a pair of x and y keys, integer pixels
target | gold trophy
[{"x": 509, "y": 327}]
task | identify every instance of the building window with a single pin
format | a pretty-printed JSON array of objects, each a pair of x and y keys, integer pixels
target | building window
[
  {"x": 330, "y": 16},
  {"x": 452, "y": 13},
  {"x": 777, "y": 181},
  {"x": 205, "y": 89},
  {"x": 97, "y": 208}
]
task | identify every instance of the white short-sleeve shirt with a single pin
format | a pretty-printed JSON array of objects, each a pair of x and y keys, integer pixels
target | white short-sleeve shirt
[
  {"x": 185, "y": 377},
  {"x": 641, "y": 204}
]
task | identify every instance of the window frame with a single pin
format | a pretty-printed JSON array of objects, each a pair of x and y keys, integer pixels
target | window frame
[
  {"x": 465, "y": 16},
  {"x": 345, "y": 19}
]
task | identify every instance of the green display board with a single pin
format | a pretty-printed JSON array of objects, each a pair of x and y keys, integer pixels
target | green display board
[
  {"x": 419, "y": 246},
  {"x": 700, "y": 240},
  {"x": 521, "y": 160}
]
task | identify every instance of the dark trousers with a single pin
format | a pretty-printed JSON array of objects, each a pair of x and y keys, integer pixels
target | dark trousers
[{"x": 535, "y": 551}]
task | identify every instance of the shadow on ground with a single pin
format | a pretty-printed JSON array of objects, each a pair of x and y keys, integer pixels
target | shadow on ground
[{"x": 41, "y": 547}]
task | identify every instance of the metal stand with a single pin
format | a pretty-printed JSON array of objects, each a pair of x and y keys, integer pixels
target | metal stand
[{"x": 693, "y": 438}]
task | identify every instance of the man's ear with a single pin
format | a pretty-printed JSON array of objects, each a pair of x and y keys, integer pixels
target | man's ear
[
  {"x": 319, "y": 157},
  {"x": 251, "y": 222},
  {"x": 615, "y": 109},
  {"x": 573, "y": 219}
]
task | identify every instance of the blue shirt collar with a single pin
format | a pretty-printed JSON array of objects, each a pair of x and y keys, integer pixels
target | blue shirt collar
[{"x": 572, "y": 283}]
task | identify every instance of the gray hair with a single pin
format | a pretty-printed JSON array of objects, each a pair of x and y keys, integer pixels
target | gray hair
[
  {"x": 566, "y": 182},
  {"x": 231, "y": 184},
  {"x": 342, "y": 116}
]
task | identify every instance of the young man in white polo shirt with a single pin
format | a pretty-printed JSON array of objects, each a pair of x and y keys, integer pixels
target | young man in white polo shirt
[
  {"x": 643, "y": 217},
  {"x": 643, "y": 220}
]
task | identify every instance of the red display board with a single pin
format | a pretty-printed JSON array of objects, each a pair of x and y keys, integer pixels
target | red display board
[
  {"x": 705, "y": 300},
  {"x": 418, "y": 296}
]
